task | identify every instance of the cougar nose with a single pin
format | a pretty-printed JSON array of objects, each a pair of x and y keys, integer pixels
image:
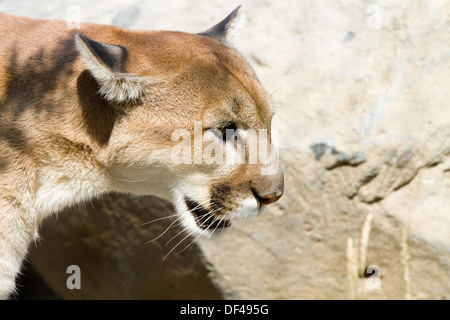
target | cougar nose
[{"x": 268, "y": 199}]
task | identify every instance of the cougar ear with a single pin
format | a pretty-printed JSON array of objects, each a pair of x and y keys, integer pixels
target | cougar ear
[
  {"x": 225, "y": 30},
  {"x": 107, "y": 62}
]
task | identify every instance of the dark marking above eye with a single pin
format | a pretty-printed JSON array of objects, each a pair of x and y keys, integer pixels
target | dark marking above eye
[{"x": 235, "y": 106}]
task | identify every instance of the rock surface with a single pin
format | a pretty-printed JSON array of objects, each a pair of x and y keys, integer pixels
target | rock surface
[
  {"x": 111, "y": 241},
  {"x": 362, "y": 107}
]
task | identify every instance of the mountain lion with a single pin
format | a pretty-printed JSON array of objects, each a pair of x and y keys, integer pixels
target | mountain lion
[{"x": 94, "y": 110}]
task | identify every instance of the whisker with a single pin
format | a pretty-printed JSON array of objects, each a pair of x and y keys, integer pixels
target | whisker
[
  {"x": 163, "y": 231},
  {"x": 183, "y": 230},
  {"x": 209, "y": 201},
  {"x": 275, "y": 91},
  {"x": 177, "y": 245},
  {"x": 183, "y": 240},
  {"x": 174, "y": 237},
  {"x": 174, "y": 215},
  {"x": 274, "y": 80},
  {"x": 176, "y": 225},
  {"x": 158, "y": 219},
  {"x": 193, "y": 241},
  {"x": 214, "y": 229}
]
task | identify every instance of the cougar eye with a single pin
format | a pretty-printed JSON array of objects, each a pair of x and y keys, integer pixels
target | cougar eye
[{"x": 223, "y": 131}]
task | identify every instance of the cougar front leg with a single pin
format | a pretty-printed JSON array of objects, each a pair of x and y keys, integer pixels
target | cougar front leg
[{"x": 17, "y": 227}]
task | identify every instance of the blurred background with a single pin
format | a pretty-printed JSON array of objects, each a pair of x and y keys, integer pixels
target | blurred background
[{"x": 361, "y": 94}]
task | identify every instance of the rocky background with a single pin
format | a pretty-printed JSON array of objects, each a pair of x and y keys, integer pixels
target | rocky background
[{"x": 361, "y": 91}]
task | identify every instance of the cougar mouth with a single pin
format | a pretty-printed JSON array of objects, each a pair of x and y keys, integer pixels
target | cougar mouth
[{"x": 205, "y": 218}]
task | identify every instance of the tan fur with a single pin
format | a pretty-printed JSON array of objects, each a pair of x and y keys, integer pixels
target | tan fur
[{"x": 72, "y": 129}]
